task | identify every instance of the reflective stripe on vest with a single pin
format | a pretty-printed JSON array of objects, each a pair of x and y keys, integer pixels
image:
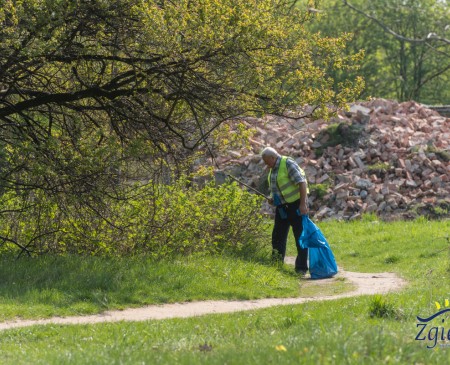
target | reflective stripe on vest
[{"x": 287, "y": 188}]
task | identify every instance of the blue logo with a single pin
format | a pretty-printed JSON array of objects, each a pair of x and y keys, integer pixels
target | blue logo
[{"x": 433, "y": 329}]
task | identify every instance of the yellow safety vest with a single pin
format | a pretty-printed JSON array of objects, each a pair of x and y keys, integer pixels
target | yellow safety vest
[{"x": 288, "y": 189}]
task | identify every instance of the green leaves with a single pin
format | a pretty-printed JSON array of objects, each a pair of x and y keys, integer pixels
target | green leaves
[
  {"x": 99, "y": 97},
  {"x": 404, "y": 44},
  {"x": 160, "y": 220}
]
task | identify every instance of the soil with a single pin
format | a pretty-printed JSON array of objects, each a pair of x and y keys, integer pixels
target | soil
[{"x": 365, "y": 284}]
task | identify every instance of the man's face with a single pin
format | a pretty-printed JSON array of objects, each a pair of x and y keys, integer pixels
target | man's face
[{"x": 270, "y": 161}]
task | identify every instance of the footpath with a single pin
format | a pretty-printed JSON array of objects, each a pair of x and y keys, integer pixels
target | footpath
[{"x": 364, "y": 283}]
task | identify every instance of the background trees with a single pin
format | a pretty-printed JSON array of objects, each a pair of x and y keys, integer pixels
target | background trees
[
  {"x": 406, "y": 44},
  {"x": 96, "y": 96}
]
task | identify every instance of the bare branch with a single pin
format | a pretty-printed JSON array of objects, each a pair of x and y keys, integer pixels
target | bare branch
[
  {"x": 426, "y": 39},
  {"x": 23, "y": 248}
]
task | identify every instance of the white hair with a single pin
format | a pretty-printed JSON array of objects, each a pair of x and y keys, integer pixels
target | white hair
[{"x": 269, "y": 152}]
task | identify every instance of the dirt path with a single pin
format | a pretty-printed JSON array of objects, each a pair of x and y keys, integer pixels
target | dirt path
[{"x": 365, "y": 283}]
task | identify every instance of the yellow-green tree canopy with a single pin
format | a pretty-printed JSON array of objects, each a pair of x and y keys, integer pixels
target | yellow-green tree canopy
[
  {"x": 86, "y": 86},
  {"x": 170, "y": 67},
  {"x": 406, "y": 44}
]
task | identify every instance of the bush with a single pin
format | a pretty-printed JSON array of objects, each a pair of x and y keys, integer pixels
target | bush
[
  {"x": 319, "y": 190},
  {"x": 208, "y": 219},
  {"x": 159, "y": 219}
]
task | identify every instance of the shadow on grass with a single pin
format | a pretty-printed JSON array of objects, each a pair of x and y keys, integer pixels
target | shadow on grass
[{"x": 64, "y": 280}]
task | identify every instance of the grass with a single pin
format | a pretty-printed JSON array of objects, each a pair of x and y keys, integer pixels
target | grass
[
  {"x": 73, "y": 285},
  {"x": 364, "y": 330},
  {"x": 340, "y": 332},
  {"x": 411, "y": 248}
]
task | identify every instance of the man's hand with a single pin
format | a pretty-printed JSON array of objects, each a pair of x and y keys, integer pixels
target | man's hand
[
  {"x": 303, "y": 208},
  {"x": 270, "y": 200}
]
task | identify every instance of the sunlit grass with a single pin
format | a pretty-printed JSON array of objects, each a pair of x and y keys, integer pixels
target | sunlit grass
[
  {"x": 361, "y": 330},
  {"x": 47, "y": 286},
  {"x": 338, "y": 332}
]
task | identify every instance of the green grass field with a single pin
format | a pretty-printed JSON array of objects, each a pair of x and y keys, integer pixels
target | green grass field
[{"x": 360, "y": 330}]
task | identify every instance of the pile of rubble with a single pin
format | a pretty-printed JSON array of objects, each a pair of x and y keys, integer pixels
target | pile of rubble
[{"x": 379, "y": 157}]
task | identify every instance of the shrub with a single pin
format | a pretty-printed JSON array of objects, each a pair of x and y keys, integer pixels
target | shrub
[
  {"x": 441, "y": 154},
  {"x": 378, "y": 167},
  {"x": 158, "y": 219},
  {"x": 319, "y": 190}
]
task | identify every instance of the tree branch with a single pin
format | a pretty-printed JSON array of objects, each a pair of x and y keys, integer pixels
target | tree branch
[
  {"x": 60, "y": 98},
  {"x": 425, "y": 39},
  {"x": 23, "y": 248}
]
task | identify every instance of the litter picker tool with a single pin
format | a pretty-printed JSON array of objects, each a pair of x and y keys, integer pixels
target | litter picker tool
[
  {"x": 231, "y": 176},
  {"x": 247, "y": 186}
]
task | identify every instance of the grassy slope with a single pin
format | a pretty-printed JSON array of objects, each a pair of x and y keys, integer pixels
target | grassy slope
[
  {"x": 81, "y": 285},
  {"x": 345, "y": 331}
]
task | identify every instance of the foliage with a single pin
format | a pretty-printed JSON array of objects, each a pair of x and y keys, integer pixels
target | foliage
[
  {"x": 437, "y": 210},
  {"x": 378, "y": 167},
  {"x": 319, "y": 190},
  {"x": 96, "y": 96},
  {"x": 406, "y": 53},
  {"x": 227, "y": 137},
  {"x": 161, "y": 220},
  {"x": 441, "y": 154}
]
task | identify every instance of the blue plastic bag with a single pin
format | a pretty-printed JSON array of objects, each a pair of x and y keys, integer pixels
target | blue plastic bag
[{"x": 322, "y": 263}]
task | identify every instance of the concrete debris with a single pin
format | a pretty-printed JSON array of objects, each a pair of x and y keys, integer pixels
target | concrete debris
[{"x": 390, "y": 158}]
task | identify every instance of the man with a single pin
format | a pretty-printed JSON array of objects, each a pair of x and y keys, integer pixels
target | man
[{"x": 288, "y": 189}]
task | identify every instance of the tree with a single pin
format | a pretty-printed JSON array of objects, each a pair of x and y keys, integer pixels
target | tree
[
  {"x": 405, "y": 42},
  {"x": 93, "y": 91},
  {"x": 421, "y": 52}
]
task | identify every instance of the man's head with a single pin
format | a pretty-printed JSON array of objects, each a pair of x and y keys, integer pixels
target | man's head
[{"x": 269, "y": 156}]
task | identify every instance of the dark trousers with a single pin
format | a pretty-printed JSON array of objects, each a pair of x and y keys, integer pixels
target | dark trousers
[{"x": 281, "y": 230}]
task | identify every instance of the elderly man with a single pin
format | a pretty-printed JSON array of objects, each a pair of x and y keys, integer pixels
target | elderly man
[{"x": 288, "y": 189}]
